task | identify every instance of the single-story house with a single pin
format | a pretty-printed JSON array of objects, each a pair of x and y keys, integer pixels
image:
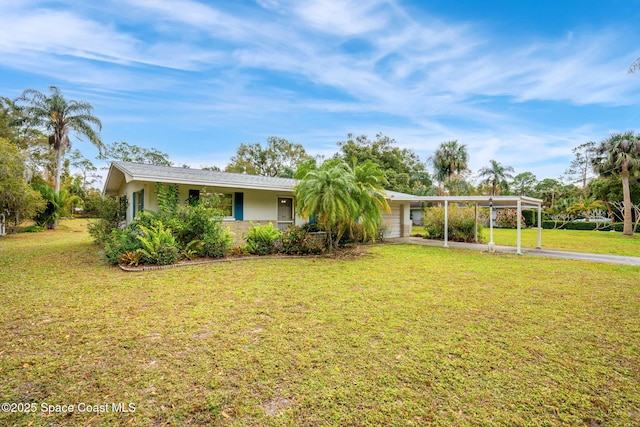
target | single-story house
[{"x": 245, "y": 198}]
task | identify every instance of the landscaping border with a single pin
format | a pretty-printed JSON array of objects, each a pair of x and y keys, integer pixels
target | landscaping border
[{"x": 209, "y": 261}]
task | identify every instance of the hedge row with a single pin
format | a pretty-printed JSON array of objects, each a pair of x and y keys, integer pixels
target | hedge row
[{"x": 616, "y": 226}]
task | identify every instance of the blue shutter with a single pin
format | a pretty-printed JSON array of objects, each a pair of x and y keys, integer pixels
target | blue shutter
[
  {"x": 141, "y": 200},
  {"x": 133, "y": 196},
  {"x": 238, "y": 206}
]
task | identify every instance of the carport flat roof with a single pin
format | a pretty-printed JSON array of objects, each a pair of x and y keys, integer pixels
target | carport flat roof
[{"x": 483, "y": 201}]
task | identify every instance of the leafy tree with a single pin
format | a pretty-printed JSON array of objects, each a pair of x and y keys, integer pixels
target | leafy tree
[
  {"x": 279, "y": 158},
  {"x": 620, "y": 154},
  {"x": 338, "y": 194},
  {"x": 85, "y": 166},
  {"x": 38, "y": 157},
  {"x": 548, "y": 190},
  {"x": 582, "y": 164},
  {"x": 496, "y": 175},
  {"x": 402, "y": 168},
  {"x": 524, "y": 184},
  {"x": 448, "y": 160},
  {"x": 58, "y": 117},
  {"x": 17, "y": 199},
  {"x": 125, "y": 152}
]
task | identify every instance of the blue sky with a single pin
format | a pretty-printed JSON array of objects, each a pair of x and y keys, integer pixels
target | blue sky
[{"x": 521, "y": 82}]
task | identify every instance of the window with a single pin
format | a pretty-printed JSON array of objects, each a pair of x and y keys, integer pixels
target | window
[
  {"x": 194, "y": 197},
  {"x": 226, "y": 204},
  {"x": 138, "y": 202}
]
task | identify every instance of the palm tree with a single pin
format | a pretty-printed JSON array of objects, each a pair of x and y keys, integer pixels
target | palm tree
[
  {"x": 325, "y": 193},
  {"x": 57, "y": 203},
  {"x": 585, "y": 206},
  {"x": 450, "y": 158},
  {"x": 338, "y": 195},
  {"x": 58, "y": 117},
  {"x": 370, "y": 196},
  {"x": 620, "y": 154},
  {"x": 496, "y": 176}
]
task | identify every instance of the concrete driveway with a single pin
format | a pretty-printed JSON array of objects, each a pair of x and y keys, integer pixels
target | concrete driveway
[{"x": 583, "y": 256}]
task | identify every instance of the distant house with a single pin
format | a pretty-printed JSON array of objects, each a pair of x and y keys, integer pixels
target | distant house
[{"x": 245, "y": 198}]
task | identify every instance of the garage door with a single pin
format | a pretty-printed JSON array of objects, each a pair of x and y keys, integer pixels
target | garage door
[{"x": 391, "y": 221}]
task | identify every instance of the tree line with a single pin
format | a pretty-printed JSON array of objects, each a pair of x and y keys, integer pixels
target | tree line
[{"x": 36, "y": 152}]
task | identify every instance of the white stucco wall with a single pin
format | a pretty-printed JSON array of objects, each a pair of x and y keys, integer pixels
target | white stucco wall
[{"x": 259, "y": 205}]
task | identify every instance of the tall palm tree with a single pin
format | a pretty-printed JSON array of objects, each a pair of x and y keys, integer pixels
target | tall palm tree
[
  {"x": 58, "y": 117},
  {"x": 496, "y": 176},
  {"x": 620, "y": 154},
  {"x": 325, "y": 193},
  {"x": 450, "y": 158}
]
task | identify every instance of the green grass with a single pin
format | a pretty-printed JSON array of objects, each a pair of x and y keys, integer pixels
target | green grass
[
  {"x": 599, "y": 242},
  {"x": 406, "y": 335}
]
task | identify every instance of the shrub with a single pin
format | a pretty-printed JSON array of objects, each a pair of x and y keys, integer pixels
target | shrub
[
  {"x": 216, "y": 242},
  {"x": 158, "y": 246},
  {"x": 238, "y": 251},
  {"x": 110, "y": 212},
  {"x": 531, "y": 218},
  {"x": 297, "y": 241},
  {"x": 32, "y": 229},
  {"x": 461, "y": 223},
  {"x": 508, "y": 218},
  {"x": 131, "y": 258},
  {"x": 118, "y": 243},
  {"x": 262, "y": 239},
  {"x": 550, "y": 225}
]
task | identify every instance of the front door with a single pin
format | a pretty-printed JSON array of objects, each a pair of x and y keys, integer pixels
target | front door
[{"x": 285, "y": 212}]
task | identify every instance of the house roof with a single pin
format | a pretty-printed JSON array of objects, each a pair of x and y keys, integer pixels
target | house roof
[
  {"x": 120, "y": 172},
  {"x": 128, "y": 172}
]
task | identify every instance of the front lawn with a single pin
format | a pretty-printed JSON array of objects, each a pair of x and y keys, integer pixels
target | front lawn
[
  {"x": 599, "y": 242},
  {"x": 405, "y": 335}
]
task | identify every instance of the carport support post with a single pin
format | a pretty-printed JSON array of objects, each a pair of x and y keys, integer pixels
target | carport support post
[
  {"x": 446, "y": 223},
  {"x": 475, "y": 236},
  {"x": 519, "y": 239},
  {"x": 539, "y": 227}
]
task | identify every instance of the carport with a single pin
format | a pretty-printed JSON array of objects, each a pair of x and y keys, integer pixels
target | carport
[{"x": 519, "y": 203}]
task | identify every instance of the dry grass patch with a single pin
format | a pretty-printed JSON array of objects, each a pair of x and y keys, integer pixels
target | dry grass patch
[{"x": 407, "y": 335}]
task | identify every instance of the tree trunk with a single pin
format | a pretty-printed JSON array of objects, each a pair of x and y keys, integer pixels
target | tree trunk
[
  {"x": 626, "y": 201},
  {"x": 58, "y": 169}
]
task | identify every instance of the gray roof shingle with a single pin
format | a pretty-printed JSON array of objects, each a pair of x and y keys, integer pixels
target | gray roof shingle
[
  {"x": 171, "y": 174},
  {"x": 144, "y": 172}
]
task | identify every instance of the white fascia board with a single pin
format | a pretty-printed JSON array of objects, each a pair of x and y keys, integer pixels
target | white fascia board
[{"x": 204, "y": 183}]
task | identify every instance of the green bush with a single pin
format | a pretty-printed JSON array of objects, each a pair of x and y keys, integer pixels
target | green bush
[
  {"x": 616, "y": 226},
  {"x": 297, "y": 241},
  {"x": 508, "y": 218},
  {"x": 461, "y": 224},
  {"x": 531, "y": 217},
  {"x": 158, "y": 246},
  {"x": 32, "y": 229},
  {"x": 216, "y": 242},
  {"x": 118, "y": 243},
  {"x": 262, "y": 239},
  {"x": 110, "y": 212}
]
